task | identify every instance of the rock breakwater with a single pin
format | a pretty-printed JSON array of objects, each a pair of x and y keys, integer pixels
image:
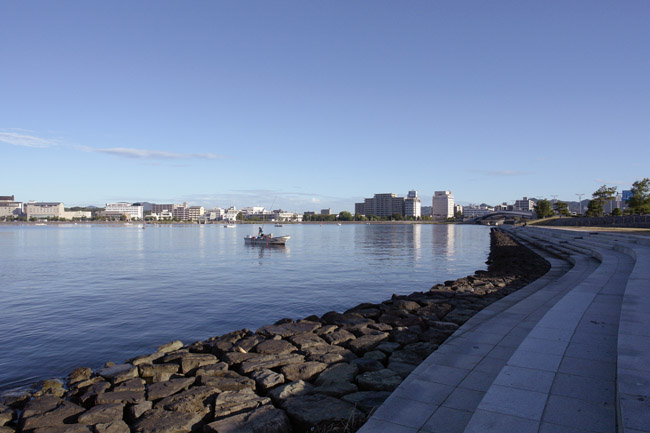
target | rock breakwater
[{"x": 317, "y": 374}]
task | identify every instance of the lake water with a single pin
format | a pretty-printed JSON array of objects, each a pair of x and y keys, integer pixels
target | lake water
[{"x": 82, "y": 295}]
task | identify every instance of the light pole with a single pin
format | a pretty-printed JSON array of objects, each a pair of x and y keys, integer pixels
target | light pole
[{"x": 580, "y": 201}]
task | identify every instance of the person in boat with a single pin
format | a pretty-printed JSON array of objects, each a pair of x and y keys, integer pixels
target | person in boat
[{"x": 260, "y": 233}]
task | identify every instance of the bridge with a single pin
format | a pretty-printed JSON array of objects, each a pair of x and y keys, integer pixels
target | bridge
[{"x": 501, "y": 213}]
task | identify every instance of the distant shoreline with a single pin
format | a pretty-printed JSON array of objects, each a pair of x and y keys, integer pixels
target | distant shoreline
[{"x": 151, "y": 223}]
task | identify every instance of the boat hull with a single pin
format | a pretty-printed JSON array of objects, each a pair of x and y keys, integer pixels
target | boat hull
[{"x": 274, "y": 240}]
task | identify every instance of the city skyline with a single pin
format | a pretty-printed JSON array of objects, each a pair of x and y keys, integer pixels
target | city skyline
[{"x": 309, "y": 106}]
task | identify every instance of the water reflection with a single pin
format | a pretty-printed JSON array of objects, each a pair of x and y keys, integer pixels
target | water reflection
[{"x": 444, "y": 240}]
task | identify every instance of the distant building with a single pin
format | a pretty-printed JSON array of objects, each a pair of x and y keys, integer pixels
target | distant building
[
  {"x": 123, "y": 208},
  {"x": 412, "y": 205},
  {"x": 426, "y": 210},
  {"x": 6, "y": 198},
  {"x": 473, "y": 211},
  {"x": 309, "y": 212},
  {"x": 10, "y": 208},
  {"x": 77, "y": 214},
  {"x": 44, "y": 210},
  {"x": 195, "y": 212},
  {"x": 381, "y": 205},
  {"x": 215, "y": 214},
  {"x": 504, "y": 207},
  {"x": 626, "y": 194},
  {"x": 442, "y": 205},
  {"x": 524, "y": 204},
  {"x": 458, "y": 209},
  {"x": 326, "y": 211},
  {"x": 231, "y": 213},
  {"x": 159, "y": 208}
]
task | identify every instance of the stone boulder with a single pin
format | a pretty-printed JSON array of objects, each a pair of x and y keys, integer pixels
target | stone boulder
[
  {"x": 307, "y": 411},
  {"x": 302, "y": 371},
  {"x": 366, "y": 342},
  {"x": 406, "y": 357},
  {"x": 157, "y": 372},
  {"x": 39, "y": 405},
  {"x": 366, "y": 400},
  {"x": 306, "y": 340},
  {"x": 338, "y": 337},
  {"x": 367, "y": 364},
  {"x": 194, "y": 400},
  {"x": 163, "y": 421},
  {"x": 102, "y": 413},
  {"x": 336, "y": 389},
  {"x": 329, "y": 354},
  {"x": 292, "y": 389},
  {"x": 230, "y": 403},
  {"x": 267, "y": 379},
  {"x": 65, "y": 413},
  {"x": 270, "y": 361},
  {"x": 119, "y": 373},
  {"x": 117, "y": 426},
  {"x": 382, "y": 380},
  {"x": 170, "y": 347},
  {"x": 79, "y": 375},
  {"x": 265, "y": 419},
  {"x": 227, "y": 381},
  {"x": 89, "y": 395},
  {"x": 120, "y": 397},
  {"x": 288, "y": 329},
  {"x": 135, "y": 411},
  {"x": 275, "y": 347},
  {"x": 341, "y": 372},
  {"x": 160, "y": 390}
]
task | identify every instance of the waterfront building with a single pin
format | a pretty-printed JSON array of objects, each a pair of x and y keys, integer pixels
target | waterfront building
[
  {"x": 326, "y": 211},
  {"x": 124, "y": 208},
  {"x": 231, "y": 213},
  {"x": 215, "y": 214},
  {"x": 44, "y": 210},
  {"x": 159, "y": 208},
  {"x": 6, "y": 198},
  {"x": 425, "y": 210},
  {"x": 10, "y": 208},
  {"x": 163, "y": 215},
  {"x": 504, "y": 207},
  {"x": 442, "y": 205},
  {"x": 473, "y": 211},
  {"x": 458, "y": 209},
  {"x": 381, "y": 205},
  {"x": 195, "y": 212},
  {"x": 412, "y": 205},
  {"x": 77, "y": 214},
  {"x": 524, "y": 204}
]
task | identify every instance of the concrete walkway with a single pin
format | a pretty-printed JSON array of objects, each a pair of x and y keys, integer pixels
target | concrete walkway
[{"x": 553, "y": 357}]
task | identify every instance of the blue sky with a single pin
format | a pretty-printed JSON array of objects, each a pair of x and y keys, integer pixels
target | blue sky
[{"x": 308, "y": 105}]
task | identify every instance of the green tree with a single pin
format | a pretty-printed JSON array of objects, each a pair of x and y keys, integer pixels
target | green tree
[
  {"x": 639, "y": 203},
  {"x": 562, "y": 208},
  {"x": 240, "y": 216},
  {"x": 602, "y": 195},
  {"x": 345, "y": 216},
  {"x": 544, "y": 209},
  {"x": 396, "y": 216},
  {"x": 617, "y": 212}
]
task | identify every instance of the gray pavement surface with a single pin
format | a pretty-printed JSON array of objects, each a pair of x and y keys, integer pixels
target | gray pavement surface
[{"x": 568, "y": 353}]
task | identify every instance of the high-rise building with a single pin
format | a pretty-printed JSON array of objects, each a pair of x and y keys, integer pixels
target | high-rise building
[
  {"x": 412, "y": 205},
  {"x": 381, "y": 205},
  {"x": 524, "y": 204},
  {"x": 442, "y": 205}
]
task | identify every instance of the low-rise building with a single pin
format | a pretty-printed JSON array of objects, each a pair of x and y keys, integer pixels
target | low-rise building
[
  {"x": 9, "y": 208},
  {"x": 326, "y": 211},
  {"x": 473, "y": 211},
  {"x": 195, "y": 212},
  {"x": 524, "y": 204},
  {"x": 123, "y": 208},
  {"x": 44, "y": 210}
]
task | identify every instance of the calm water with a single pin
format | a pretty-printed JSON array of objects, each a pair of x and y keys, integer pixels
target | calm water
[{"x": 81, "y": 295}]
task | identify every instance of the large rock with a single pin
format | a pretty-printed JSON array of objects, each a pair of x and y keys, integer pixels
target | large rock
[
  {"x": 160, "y": 390},
  {"x": 117, "y": 426},
  {"x": 146, "y": 359},
  {"x": 329, "y": 354},
  {"x": 366, "y": 342},
  {"x": 265, "y": 419},
  {"x": 341, "y": 372},
  {"x": 40, "y": 405},
  {"x": 448, "y": 326},
  {"x": 120, "y": 397},
  {"x": 135, "y": 384},
  {"x": 65, "y": 413},
  {"x": 135, "y": 411},
  {"x": 292, "y": 389},
  {"x": 382, "y": 380},
  {"x": 406, "y": 357},
  {"x": 338, "y": 337},
  {"x": 269, "y": 361},
  {"x": 191, "y": 361},
  {"x": 367, "y": 400},
  {"x": 89, "y": 395},
  {"x": 119, "y": 373},
  {"x": 312, "y": 410},
  {"x": 67, "y": 428},
  {"x": 79, "y": 375},
  {"x": 248, "y": 343},
  {"x": 103, "y": 413},
  {"x": 50, "y": 387},
  {"x": 275, "y": 347},
  {"x": 401, "y": 368},
  {"x": 367, "y": 364},
  {"x": 304, "y": 371},
  {"x": 158, "y": 372},
  {"x": 267, "y": 379},
  {"x": 305, "y": 340},
  {"x": 235, "y": 358},
  {"x": 195, "y": 400},
  {"x": 6, "y": 414},
  {"x": 227, "y": 381},
  {"x": 336, "y": 389},
  {"x": 234, "y": 402},
  {"x": 162, "y": 421},
  {"x": 212, "y": 370},
  {"x": 288, "y": 329},
  {"x": 170, "y": 347}
]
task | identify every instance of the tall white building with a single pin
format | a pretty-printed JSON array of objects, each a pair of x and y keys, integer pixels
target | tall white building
[
  {"x": 524, "y": 204},
  {"x": 442, "y": 206},
  {"x": 412, "y": 205}
]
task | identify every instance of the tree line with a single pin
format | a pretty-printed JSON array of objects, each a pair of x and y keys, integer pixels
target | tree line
[{"x": 637, "y": 204}]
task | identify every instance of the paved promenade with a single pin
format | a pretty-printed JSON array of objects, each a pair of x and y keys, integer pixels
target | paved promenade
[{"x": 570, "y": 353}]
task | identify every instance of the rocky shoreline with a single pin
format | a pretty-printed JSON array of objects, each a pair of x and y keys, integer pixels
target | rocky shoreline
[{"x": 319, "y": 374}]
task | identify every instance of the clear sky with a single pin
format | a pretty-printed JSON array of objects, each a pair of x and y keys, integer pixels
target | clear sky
[{"x": 314, "y": 104}]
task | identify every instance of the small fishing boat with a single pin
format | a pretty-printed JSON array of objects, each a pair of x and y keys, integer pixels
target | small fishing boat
[
  {"x": 266, "y": 240},
  {"x": 279, "y": 225},
  {"x": 230, "y": 225}
]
